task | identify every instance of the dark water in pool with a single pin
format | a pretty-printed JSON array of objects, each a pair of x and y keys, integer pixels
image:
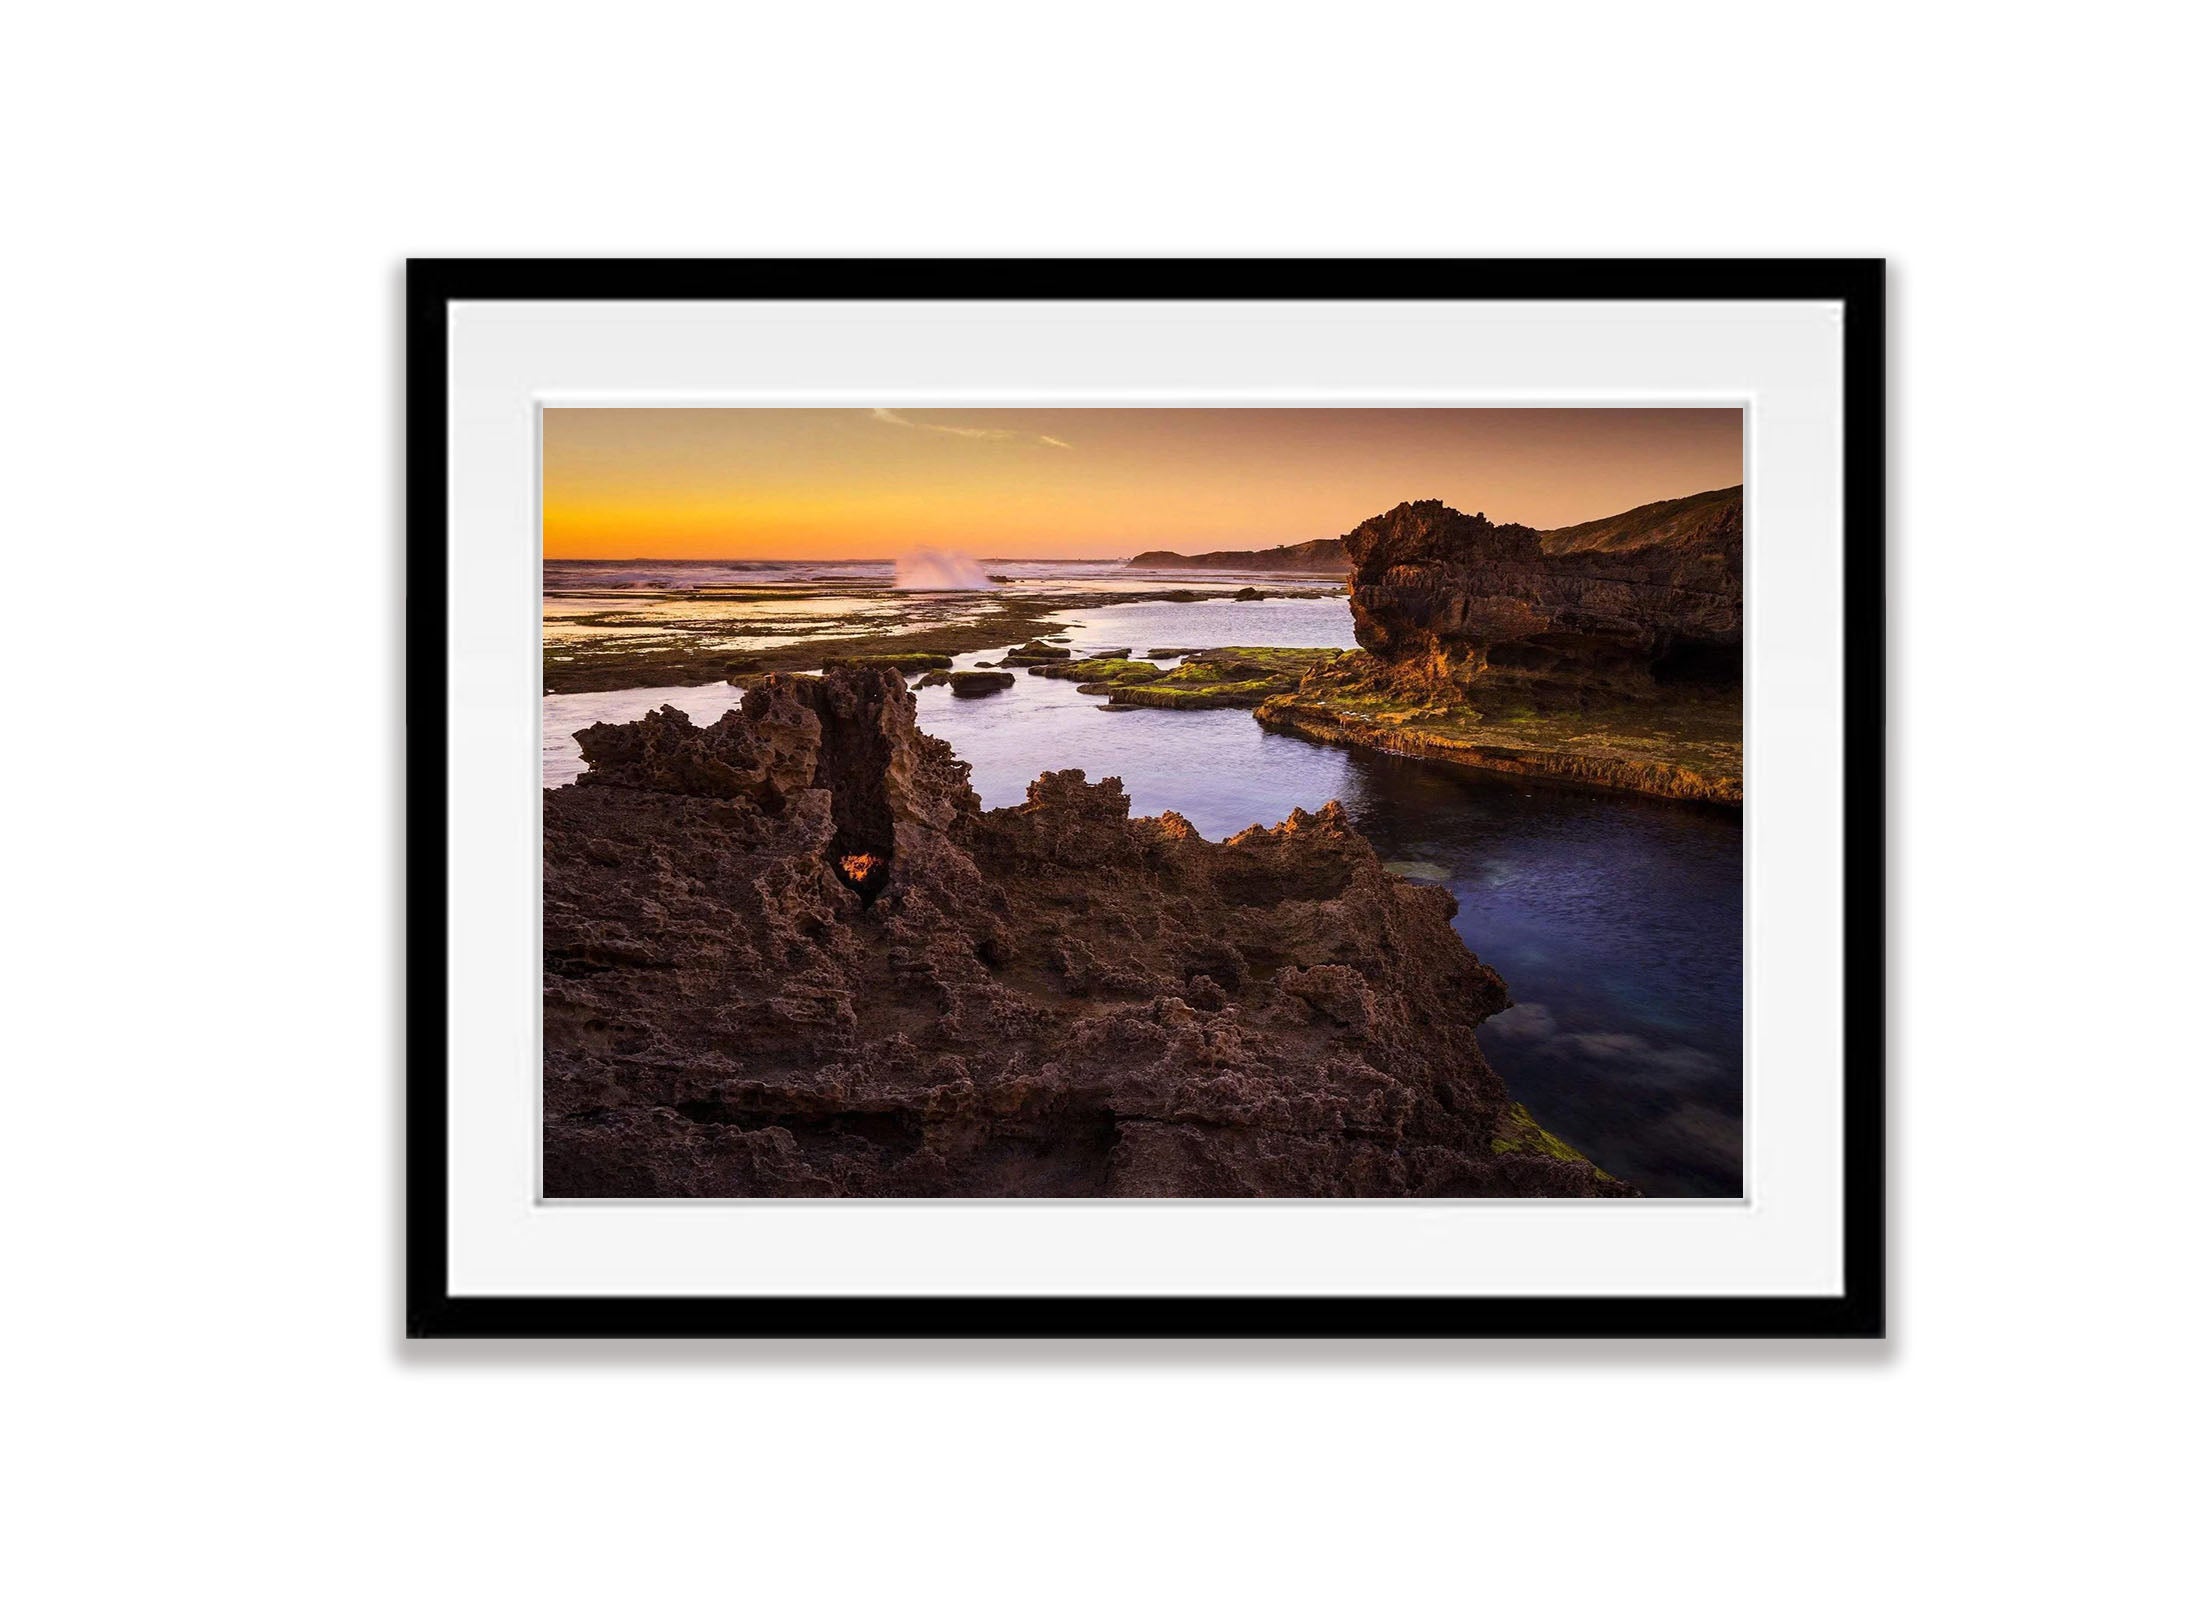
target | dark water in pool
[
  {"x": 1616, "y": 921},
  {"x": 1617, "y": 924}
]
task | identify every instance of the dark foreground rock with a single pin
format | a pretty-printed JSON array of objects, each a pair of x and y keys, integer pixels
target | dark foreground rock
[
  {"x": 969, "y": 685},
  {"x": 788, "y": 954}
]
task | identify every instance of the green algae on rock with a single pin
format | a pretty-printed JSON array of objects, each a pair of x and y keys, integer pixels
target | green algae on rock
[
  {"x": 622, "y": 650},
  {"x": 1675, "y": 748},
  {"x": 905, "y": 661},
  {"x": 1233, "y": 676},
  {"x": 1097, "y": 670},
  {"x": 1529, "y": 1137}
]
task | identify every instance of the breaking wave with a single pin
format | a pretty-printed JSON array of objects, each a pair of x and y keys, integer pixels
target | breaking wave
[{"x": 938, "y": 569}]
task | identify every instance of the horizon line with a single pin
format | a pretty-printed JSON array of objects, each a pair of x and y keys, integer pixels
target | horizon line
[{"x": 1162, "y": 550}]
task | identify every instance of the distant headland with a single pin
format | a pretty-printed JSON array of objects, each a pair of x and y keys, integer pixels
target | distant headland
[{"x": 1313, "y": 555}]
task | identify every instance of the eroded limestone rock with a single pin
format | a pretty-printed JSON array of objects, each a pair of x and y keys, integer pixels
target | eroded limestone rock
[{"x": 788, "y": 954}]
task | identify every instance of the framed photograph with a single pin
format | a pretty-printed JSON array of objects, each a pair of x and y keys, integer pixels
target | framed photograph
[{"x": 1152, "y": 798}]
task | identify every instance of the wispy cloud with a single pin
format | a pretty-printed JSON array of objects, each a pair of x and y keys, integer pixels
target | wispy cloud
[{"x": 1001, "y": 435}]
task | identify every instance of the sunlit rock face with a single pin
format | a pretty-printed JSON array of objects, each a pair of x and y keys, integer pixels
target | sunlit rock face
[
  {"x": 788, "y": 954},
  {"x": 1459, "y": 608}
]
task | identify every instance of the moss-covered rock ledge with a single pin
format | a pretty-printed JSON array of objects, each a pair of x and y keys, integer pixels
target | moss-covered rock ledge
[
  {"x": 1675, "y": 747},
  {"x": 1096, "y": 673},
  {"x": 1236, "y": 675},
  {"x": 1526, "y": 1135}
]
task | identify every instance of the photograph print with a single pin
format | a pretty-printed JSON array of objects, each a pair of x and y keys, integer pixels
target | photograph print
[{"x": 1142, "y": 803}]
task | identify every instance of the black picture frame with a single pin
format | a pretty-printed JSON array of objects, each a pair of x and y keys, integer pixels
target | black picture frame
[{"x": 432, "y": 1311}]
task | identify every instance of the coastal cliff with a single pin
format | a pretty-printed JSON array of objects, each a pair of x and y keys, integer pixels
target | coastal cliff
[
  {"x": 789, "y": 954},
  {"x": 1498, "y": 613},
  {"x": 1607, "y": 653}
]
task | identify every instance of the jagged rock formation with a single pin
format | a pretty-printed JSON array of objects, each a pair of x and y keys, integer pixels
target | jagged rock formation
[
  {"x": 1463, "y": 606},
  {"x": 788, "y": 954},
  {"x": 1311, "y": 555},
  {"x": 1608, "y": 653}
]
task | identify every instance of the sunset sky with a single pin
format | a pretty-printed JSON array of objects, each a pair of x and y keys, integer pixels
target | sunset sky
[{"x": 802, "y": 484}]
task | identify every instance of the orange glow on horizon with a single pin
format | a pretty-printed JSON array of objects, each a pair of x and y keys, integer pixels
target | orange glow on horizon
[{"x": 787, "y": 484}]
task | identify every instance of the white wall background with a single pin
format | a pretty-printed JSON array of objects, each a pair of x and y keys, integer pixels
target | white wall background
[{"x": 209, "y": 205}]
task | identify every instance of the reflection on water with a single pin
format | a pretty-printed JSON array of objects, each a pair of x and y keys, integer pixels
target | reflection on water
[
  {"x": 728, "y": 617},
  {"x": 723, "y": 602},
  {"x": 1615, "y": 921},
  {"x": 564, "y": 715},
  {"x": 1617, "y": 924},
  {"x": 1204, "y": 624}
]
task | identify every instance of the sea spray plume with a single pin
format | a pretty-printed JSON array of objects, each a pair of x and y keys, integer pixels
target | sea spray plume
[{"x": 923, "y": 568}]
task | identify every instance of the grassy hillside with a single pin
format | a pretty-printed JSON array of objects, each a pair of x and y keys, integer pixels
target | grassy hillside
[{"x": 1694, "y": 517}]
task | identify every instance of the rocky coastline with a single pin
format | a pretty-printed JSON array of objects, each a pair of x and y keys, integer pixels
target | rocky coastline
[
  {"x": 789, "y": 954},
  {"x": 640, "y": 650},
  {"x": 1590, "y": 756},
  {"x": 1607, "y": 654}
]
